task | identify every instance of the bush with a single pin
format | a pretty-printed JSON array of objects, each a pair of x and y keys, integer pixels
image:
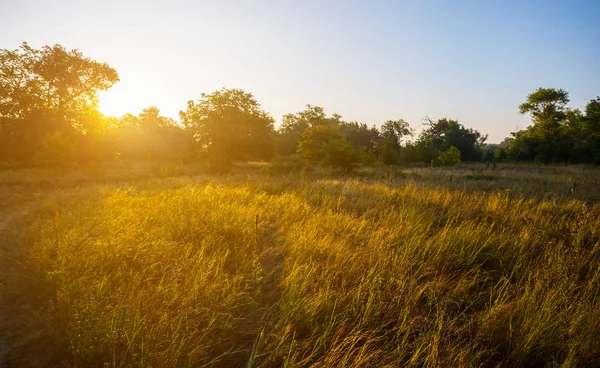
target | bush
[{"x": 451, "y": 156}]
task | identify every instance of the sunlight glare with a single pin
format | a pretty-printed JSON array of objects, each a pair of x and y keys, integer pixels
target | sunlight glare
[{"x": 131, "y": 97}]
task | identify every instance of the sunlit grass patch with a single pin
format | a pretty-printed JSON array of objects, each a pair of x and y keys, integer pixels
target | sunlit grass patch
[{"x": 290, "y": 271}]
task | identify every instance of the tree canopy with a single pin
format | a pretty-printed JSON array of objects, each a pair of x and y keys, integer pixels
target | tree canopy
[
  {"x": 49, "y": 115},
  {"x": 44, "y": 92},
  {"x": 229, "y": 124},
  {"x": 325, "y": 145},
  {"x": 442, "y": 134},
  {"x": 558, "y": 133}
]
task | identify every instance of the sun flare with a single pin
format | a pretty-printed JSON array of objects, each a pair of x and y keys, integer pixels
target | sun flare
[{"x": 126, "y": 98}]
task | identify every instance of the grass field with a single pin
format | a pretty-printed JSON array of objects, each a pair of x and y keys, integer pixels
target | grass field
[{"x": 168, "y": 267}]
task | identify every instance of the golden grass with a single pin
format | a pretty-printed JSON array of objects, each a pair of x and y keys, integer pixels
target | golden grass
[{"x": 423, "y": 268}]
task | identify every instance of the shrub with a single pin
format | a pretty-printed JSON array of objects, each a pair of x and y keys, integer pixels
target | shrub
[{"x": 451, "y": 156}]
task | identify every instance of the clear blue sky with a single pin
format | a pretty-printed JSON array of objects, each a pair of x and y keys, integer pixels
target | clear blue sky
[{"x": 370, "y": 61}]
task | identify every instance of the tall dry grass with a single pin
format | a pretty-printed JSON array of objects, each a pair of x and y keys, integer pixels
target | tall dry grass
[{"x": 414, "y": 268}]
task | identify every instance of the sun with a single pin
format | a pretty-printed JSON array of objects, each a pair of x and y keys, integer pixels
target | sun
[{"x": 125, "y": 98}]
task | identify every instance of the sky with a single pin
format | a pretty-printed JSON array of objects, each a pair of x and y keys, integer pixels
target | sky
[{"x": 370, "y": 61}]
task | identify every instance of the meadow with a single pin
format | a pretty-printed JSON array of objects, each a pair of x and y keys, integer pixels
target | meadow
[{"x": 167, "y": 266}]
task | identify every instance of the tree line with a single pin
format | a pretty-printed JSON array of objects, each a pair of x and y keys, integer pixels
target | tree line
[
  {"x": 558, "y": 133},
  {"x": 49, "y": 115}
]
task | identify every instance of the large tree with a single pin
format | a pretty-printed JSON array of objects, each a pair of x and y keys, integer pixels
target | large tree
[
  {"x": 325, "y": 145},
  {"x": 558, "y": 133},
  {"x": 45, "y": 92},
  {"x": 390, "y": 143},
  {"x": 444, "y": 133},
  {"x": 591, "y": 130},
  {"x": 229, "y": 124},
  {"x": 360, "y": 135},
  {"x": 294, "y": 125},
  {"x": 548, "y": 110}
]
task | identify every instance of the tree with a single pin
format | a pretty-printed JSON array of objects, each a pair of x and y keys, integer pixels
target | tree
[
  {"x": 546, "y": 104},
  {"x": 390, "y": 144},
  {"x": 360, "y": 135},
  {"x": 558, "y": 133},
  {"x": 334, "y": 136},
  {"x": 389, "y": 152},
  {"x": 591, "y": 130},
  {"x": 441, "y": 135},
  {"x": 294, "y": 125},
  {"x": 592, "y": 109},
  {"x": 500, "y": 153},
  {"x": 324, "y": 145},
  {"x": 46, "y": 92},
  {"x": 522, "y": 145},
  {"x": 229, "y": 124},
  {"x": 547, "y": 107},
  {"x": 396, "y": 129},
  {"x": 570, "y": 138}
]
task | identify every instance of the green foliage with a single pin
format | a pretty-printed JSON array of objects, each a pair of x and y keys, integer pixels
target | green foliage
[
  {"x": 44, "y": 92},
  {"x": 547, "y": 109},
  {"x": 545, "y": 104},
  {"x": 294, "y": 125},
  {"x": 445, "y": 133},
  {"x": 53, "y": 92},
  {"x": 390, "y": 141},
  {"x": 360, "y": 135},
  {"x": 230, "y": 125},
  {"x": 389, "y": 151},
  {"x": 396, "y": 130},
  {"x": 591, "y": 131},
  {"x": 324, "y": 145},
  {"x": 558, "y": 133},
  {"x": 500, "y": 154},
  {"x": 327, "y": 141},
  {"x": 451, "y": 156}
]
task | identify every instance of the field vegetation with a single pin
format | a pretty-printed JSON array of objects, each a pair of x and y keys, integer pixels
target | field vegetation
[{"x": 464, "y": 266}]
